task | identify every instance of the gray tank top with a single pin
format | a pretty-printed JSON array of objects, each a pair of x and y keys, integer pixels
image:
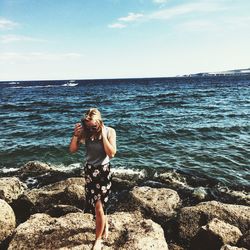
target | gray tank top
[{"x": 95, "y": 153}]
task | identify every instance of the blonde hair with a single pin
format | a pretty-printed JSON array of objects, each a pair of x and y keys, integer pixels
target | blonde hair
[{"x": 93, "y": 114}]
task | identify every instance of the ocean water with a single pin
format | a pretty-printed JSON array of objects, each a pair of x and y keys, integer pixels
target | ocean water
[{"x": 199, "y": 126}]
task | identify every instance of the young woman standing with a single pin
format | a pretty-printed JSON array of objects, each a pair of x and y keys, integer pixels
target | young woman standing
[{"x": 100, "y": 142}]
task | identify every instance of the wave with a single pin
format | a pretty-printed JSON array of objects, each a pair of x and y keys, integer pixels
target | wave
[{"x": 36, "y": 86}]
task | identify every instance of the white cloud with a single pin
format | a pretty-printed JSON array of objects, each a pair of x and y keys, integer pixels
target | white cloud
[
  {"x": 37, "y": 56},
  {"x": 17, "y": 38},
  {"x": 117, "y": 26},
  {"x": 160, "y": 1},
  {"x": 169, "y": 13},
  {"x": 131, "y": 17},
  {"x": 6, "y": 24}
]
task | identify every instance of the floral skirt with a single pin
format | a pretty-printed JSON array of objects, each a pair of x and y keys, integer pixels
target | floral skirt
[{"x": 97, "y": 187}]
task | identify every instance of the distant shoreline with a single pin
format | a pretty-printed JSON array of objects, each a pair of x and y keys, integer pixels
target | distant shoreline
[{"x": 196, "y": 75}]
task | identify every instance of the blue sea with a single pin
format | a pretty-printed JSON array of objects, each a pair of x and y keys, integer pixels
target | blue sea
[{"x": 194, "y": 125}]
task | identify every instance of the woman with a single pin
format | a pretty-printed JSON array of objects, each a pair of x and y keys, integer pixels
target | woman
[{"x": 100, "y": 142}]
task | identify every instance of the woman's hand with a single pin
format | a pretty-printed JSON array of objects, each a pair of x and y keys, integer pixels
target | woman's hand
[
  {"x": 104, "y": 131},
  {"x": 78, "y": 131}
]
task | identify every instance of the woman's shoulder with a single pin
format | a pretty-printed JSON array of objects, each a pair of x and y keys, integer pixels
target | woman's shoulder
[{"x": 110, "y": 130}]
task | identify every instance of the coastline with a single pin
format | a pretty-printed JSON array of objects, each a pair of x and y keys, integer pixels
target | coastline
[{"x": 165, "y": 204}]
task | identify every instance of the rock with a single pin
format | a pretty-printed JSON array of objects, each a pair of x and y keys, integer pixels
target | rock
[
  {"x": 34, "y": 168},
  {"x": 11, "y": 188},
  {"x": 77, "y": 231},
  {"x": 126, "y": 179},
  {"x": 192, "y": 218},
  {"x": 132, "y": 231},
  {"x": 174, "y": 179},
  {"x": 7, "y": 220},
  {"x": 37, "y": 174},
  {"x": 214, "y": 235},
  {"x": 67, "y": 192},
  {"x": 41, "y": 231},
  {"x": 228, "y": 247},
  {"x": 60, "y": 210},
  {"x": 158, "y": 202},
  {"x": 199, "y": 193},
  {"x": 245, "y": 240},
  {"x": 172, "y": 246}
]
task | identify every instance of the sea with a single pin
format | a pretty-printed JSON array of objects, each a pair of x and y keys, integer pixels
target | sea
[{"x": 198, "y": 126}]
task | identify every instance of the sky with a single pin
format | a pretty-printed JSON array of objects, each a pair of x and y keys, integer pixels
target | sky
[{"x": 92, "y": 39}]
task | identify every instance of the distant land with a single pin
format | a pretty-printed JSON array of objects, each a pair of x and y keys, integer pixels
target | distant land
[
  {"x": 220, "y": 73},
  {"x": 73, "y": 82}
]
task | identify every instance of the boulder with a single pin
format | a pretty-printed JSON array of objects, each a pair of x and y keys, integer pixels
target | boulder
[
  {"x": 192, "y": 218},
  {"x": 67, "y": 192},
  {"x": 173, "y": 246},
  {"x": 132, "y": 231},
  {"x": 60, "y": 210},
  {"x": 11, "y": 188},
  {"x": 41, "y": 231},
  {"x": 245, "y": 240},
  {"x": 7, "y": 220},
  {"x": 37, "y": 174},
  {"x": 159, "y": 203},
  {"x": 77, "y": 231},
  {"x": 126, "y": 178},
  {"x": 214, "y": 235},
  {"x": 228, "y": 247},
  {"x": 173, "y": 179}
]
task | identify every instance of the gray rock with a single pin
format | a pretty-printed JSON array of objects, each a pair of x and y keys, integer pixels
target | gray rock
[
  {"x": 245, "y": 240},
  {"x": 174, "y": 179},
  {"x": 131, "y": 231},
  {"x": 67, "y": 192},
  {"x": 228, "y": 247},
  {"x": 192, "y": 218},
  {"x": 173, "y": 246},
  {"x": 35, "y": 168},
  {"x": 158, "y": 202},
  {"x": 60, "y": 210},
  {"x": 41, "y": 231},
  {"x": 11, "y": 188},
  {"x": 126, "y": 179},
  {"x": 214, "y": 235},
  {"x": 77, "y": 231},
  {"x": 7, "y": 220}
]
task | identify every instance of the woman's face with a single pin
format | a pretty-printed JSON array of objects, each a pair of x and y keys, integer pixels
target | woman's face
[{"x": 91, "y": 125}]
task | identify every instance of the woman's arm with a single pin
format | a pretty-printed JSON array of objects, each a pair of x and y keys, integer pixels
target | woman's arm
[
  {"x": 76, "y": 138},
  {"x": 109, "y": 142}
]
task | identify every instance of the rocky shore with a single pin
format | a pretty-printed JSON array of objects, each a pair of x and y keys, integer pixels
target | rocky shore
[{"x": 42, "y": 207}]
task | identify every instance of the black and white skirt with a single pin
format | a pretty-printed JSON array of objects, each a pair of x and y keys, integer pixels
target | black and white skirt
[{"x": 97, "y": 186}]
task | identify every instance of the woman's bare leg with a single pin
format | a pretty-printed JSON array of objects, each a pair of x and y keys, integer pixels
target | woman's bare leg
[
  {"x": 106, "y": 228},
  {"x": 100, "y": 223}
]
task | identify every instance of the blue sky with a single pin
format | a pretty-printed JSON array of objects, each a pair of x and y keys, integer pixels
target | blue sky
[{"x": 71, "y": 39}]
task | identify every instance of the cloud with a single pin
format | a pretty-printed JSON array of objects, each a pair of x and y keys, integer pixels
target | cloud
[
  {"x": 160, "y": 1},
  {"x": 117, "y": 26},
  {"x": 17, "y": 38},
  {"x": 183, "y": 9},
  {"x": 34, "y": 56},
  {"x": 6, "y": 24},
  {"x": 168, "y": 13},
  {"x": 131, "y": 17}
]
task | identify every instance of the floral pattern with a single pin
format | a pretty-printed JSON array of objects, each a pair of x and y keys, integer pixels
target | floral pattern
[{"x": 98, "y": 186}]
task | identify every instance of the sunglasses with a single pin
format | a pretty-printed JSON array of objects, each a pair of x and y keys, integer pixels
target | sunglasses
[{"x": 90, "y": 128}]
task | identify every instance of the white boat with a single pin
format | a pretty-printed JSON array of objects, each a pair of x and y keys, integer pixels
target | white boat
[{"x": 70, "y": 83}]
